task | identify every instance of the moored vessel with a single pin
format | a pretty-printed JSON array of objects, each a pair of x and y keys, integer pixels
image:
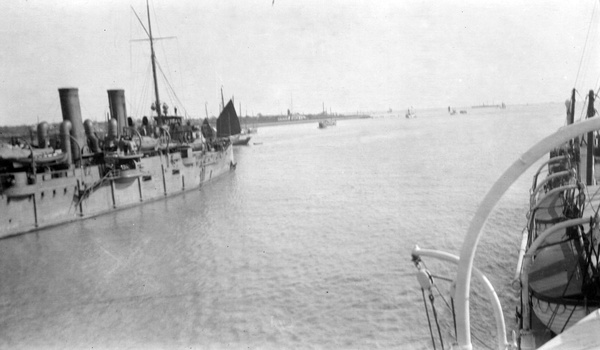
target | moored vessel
[
  {"x": 81, "y": 173},
  {"x": 327, "y": 122},
  {"x": 228, "y": 126}
]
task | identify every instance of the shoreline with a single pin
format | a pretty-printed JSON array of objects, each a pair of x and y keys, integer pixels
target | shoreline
[{"x": 304, "y": 121}]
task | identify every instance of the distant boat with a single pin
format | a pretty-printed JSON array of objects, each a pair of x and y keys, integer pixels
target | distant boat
[
  {"x": 410, "y": 113},
  {"x": 451, "y": 111},
  {"x": 502, "y": 105},
  {"x": 325, "y": 123},
  {"x": 228, "y": 125}
]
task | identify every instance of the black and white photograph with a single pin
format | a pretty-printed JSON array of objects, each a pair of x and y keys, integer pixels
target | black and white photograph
[{"x": 276, "y": 174}]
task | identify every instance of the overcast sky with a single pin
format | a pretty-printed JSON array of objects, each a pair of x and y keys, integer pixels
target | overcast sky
[{"x": 350, "y": 55}]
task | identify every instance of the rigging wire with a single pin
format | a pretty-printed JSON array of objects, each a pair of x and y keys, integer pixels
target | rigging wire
[
  {"x": 145, "y": 91},
  {"x": 585, "y": 44},
  {"x": 583, "y": 110},
  {"x": 482, "y": 343},
  {"x": 173, "y": 96},
  {"x": 437, "y": 323},
  {"x": 172, "y": 90},
  {"x": 428, "y": 319},
  {"x": 595, "y": 210}
]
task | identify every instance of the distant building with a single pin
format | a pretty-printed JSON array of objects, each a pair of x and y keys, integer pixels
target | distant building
[{"x": 291, "y": 116}]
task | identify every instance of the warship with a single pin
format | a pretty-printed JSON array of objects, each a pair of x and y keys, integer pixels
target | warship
[{"x": 80, "y": 173}]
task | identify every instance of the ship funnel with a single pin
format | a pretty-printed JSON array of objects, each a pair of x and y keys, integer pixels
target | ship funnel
[
  {"x": 71, "y": 110},
  {"x": 65, "y": 139},
  {"x": 42, "y": 135},
  {"x": 112, "y": 129},
  {"x": 118, "y": 111},
  {"x": 88, "y": 125}
]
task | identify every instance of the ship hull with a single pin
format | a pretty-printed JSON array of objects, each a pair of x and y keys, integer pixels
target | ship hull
[{"x": 81, "y": 193}]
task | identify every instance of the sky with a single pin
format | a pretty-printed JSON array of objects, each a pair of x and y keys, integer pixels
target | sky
[{"x": 348, "y": 55}]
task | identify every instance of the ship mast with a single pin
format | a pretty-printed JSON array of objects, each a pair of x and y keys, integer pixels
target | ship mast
[
  {"x": 153, "y": 59},
  {"x": 222, "y": 100}
]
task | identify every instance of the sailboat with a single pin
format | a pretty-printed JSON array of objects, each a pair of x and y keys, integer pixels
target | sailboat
[{"x": 228, "y": 126}]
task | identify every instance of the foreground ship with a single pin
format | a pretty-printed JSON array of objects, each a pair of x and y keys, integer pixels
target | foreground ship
[
  {"x": 80, "y": 175},
  {"x": 557, "y": 273},
  {"x": 86, "y": 176}
]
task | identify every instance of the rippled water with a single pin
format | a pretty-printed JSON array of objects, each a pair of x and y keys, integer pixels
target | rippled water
[{"x": 306, "y": 245}]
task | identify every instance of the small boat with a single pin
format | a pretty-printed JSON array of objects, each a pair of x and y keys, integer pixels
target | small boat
[
  {"x": 452, "y": 111},
  {"x": 228, "y": 125},
  {"x": 410, "y": 113},
  {"x": 240, "y": 140},
  {"x": 249, "y": 130},
  {"x": 327, "y": 122}
]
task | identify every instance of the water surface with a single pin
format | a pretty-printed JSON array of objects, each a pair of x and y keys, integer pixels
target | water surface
[{"x": 306, "y": 245}]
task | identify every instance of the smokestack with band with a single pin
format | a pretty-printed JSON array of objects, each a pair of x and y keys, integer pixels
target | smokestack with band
[
  {"x": 42, "y": 135},
  {"x": 71, "y": 110},
  {"x": 118, "y": 111},
  {"x": 93, "y": 143},
  {"x": 112, "y": 129},
  {"x": 65, "y": 139}
]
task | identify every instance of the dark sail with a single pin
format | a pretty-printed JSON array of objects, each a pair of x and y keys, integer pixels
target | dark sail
[
  {"x": 228, "y": 123},
  {"x": 207, "y": 131}
]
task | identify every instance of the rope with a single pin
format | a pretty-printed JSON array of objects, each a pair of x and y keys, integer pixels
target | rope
[
  {"x": 446, "y": 278},
  {"x": 585, "y": 44},
  {"x": 583, "y": 112},
  {"x": 431, "y": 299},
  {"x": 568, "y": 319},
  {"x": 454, "y": 317},
  {"x": 590, "y": 199},
  {"x": 171, "y": 89},
  {"x": 428, "y": 319},
  {"x": 442, "y": 296}
]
